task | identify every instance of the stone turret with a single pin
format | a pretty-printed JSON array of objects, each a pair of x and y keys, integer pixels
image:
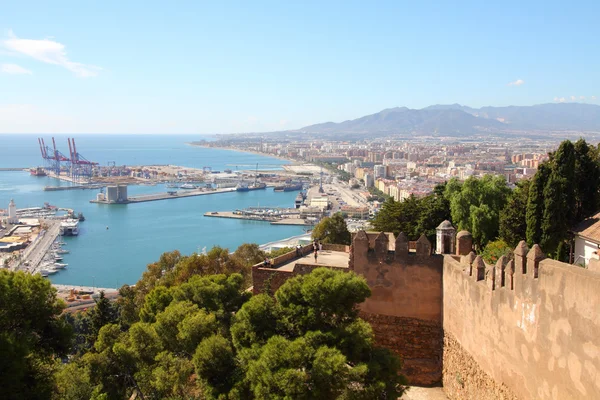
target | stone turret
[{"x": 445, "y": 237}]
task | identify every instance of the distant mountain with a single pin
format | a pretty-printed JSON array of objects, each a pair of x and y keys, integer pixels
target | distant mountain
[{"x": 455, "y": 119}]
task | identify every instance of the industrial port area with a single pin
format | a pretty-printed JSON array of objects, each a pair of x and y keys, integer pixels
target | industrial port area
[{"x": 31, "y": 238}]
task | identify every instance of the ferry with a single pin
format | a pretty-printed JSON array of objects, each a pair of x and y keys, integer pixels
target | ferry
[
  {"x": 188, "y": 186},
  {"x": 69, "y": 227}
]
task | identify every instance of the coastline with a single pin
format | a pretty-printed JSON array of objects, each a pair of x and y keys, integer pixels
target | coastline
[{"x": 257, "y": 153}]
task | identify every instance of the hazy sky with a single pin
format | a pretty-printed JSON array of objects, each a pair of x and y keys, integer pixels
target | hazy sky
[{"x": 224, "y": 66}]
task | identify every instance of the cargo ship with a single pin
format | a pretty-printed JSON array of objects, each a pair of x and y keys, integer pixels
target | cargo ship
[
  {"x": 39, "y": 171},
  {"x": 288, "y": 187}
]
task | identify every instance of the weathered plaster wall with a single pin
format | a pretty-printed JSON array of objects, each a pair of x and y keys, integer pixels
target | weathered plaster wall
[
  {"x": 405, "y": 307},
  {"x": 531, "y": 326}
]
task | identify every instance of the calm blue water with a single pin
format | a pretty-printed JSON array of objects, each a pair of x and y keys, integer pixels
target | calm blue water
[{"x": 139, "y": 233}]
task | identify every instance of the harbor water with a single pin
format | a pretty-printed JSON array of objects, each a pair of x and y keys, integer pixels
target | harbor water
[{"x": 116, "y": 242}]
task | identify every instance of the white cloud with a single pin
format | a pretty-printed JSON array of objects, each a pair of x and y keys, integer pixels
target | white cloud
[
  {"x": 573, "y": 98},
  {"x": 50, "y": 52},
  {"x": 562, "y": 100},
  {"x": 581, "y": 97},
  {"x": 14, "y": 69},
  {"x": 593, "y": 97},
  {"x": 518, "y": 82}
]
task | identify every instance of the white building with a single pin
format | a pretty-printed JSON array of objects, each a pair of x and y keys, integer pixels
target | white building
[
  {"x": 587, "y": 240},
  {"x": 12, "y": 213}
]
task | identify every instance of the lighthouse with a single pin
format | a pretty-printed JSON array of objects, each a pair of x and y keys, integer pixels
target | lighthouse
[{"x": 12, "y": 213}]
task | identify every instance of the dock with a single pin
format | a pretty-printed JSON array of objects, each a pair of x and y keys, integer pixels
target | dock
[
  {"x": 35, "y": 252},
  {"x": 74, "y": 187},
  {"x": 165, "y": 196},
  {"x": 12, "y": 169},
  {"x": 273, "y": 220}
]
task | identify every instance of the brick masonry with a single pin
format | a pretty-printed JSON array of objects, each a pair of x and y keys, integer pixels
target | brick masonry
[{"x": 417, "y": 342}]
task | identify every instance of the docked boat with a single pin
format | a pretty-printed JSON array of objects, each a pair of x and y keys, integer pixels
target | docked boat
[
  {"x": 39, "y": 171},
  {"x": 57, "y": 257},
  {"x": 288, "y": 187},
  {"x": 172, "y": 186},
  {"x": 188, "y": 186},
  {"x": 62, "y": 251},
  {"x": 80, "y": 217},
  {"x": 69, "y": 227},
  {"x": 60, "y": 265},
  {"x": 47, "y": 271}
]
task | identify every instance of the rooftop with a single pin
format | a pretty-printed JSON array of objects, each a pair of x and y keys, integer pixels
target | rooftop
[
  {"x": 589, "y": 228},
  {"x": 325, "y": 258}
]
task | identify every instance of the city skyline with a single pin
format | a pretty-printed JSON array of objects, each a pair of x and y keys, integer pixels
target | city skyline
[{"x": 209, "y": 68}]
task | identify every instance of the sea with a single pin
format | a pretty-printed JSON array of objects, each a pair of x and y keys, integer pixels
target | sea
[{"x": 116, "y": 242}]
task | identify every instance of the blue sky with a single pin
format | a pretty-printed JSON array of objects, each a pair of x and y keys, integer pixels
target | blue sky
[{"x": 224, "y": 66}]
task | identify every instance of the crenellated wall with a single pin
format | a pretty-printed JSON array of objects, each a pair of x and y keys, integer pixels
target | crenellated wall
[
  {"x": 405, "y": 307},
  {"x": 526, "y": 328}
]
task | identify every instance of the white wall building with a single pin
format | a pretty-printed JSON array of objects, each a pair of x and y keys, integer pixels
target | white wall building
[{"x": 587, "y": 240}]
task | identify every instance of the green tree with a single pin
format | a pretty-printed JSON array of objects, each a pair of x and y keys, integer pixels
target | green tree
[
  {"x": 102, "y": 314},
  {"x": 535, "y": 204},
  {"x": 216, "y": 365},
  {"x": 475, "y": 205},
  {"x": 332, "y": 230},
  {"x": 513, "y": 218},
  {"x": 31, "y": 335},
  {"x": 496, "y": 249}
]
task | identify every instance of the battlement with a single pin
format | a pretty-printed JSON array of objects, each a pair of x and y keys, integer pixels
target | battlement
[
  {"x": 524, "y": 262},
  {"x": 525, "y": 327}
]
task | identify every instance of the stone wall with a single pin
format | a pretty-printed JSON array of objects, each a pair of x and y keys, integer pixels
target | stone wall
[
  {"x": 465, "y": 380},
  {"x": 418, "y": 342},
  {"x": 405, "y": 307},
  {"x": 527, "y": 328}
]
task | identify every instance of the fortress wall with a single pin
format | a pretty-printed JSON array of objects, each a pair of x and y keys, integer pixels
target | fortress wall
[
  {"x": 405, "y": 308},
  {"x": 527, "y": 328},
  {"x": 268, "y": 280}
]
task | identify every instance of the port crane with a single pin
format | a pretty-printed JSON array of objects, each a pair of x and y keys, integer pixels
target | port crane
[
  {"x": 80, "y": 166},
  {"x": 52, "y": 157}
]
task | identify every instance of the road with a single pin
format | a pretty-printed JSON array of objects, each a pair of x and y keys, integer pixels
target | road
[{"x": 36, "y": 251}]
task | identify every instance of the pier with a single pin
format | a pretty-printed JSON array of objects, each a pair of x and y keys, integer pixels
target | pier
[
  {"x": 165, "y": 196},
  {"x": 272, "y": 219},
  {"x": 73, "y": 187},
  {"x": 35, "y": 252},
  {"x": 12, "y": 169}
]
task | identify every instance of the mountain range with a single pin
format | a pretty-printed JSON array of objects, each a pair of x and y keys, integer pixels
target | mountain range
[{"x": 455, "y": 119}]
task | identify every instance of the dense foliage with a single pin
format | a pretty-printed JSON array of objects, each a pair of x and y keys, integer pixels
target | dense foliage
[
  {"x": 207, "y": 338},
  {"x": 564, "y": 191},
  {"x": 31, "y": 335},
  {"x": 332, "y": 230},
  {"x": 414, "y": 216}
]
